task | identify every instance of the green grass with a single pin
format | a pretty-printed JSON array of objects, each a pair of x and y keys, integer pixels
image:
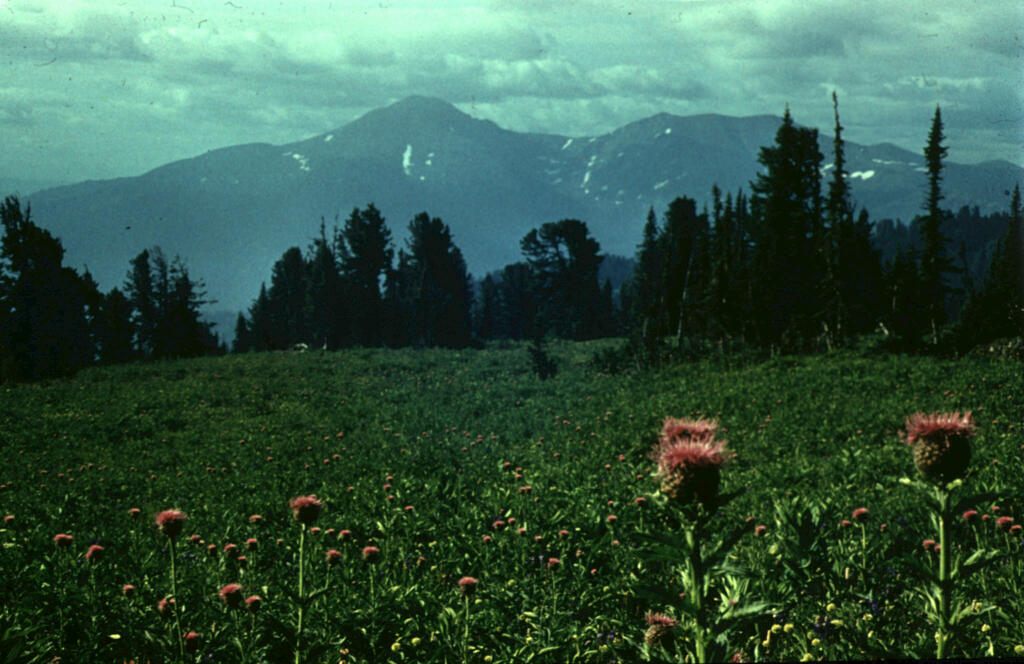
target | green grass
[{"x": 224, "y": 438}]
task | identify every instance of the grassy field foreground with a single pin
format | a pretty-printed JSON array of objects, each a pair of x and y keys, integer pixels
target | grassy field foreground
[{"x": 464, "y": 464}]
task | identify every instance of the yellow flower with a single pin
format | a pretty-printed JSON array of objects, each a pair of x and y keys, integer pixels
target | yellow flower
[
  {"x": 396, "y": 646},
  {"x": 787, "y": 628},
  {"x": 837, "y": 623},
  {"x": 867, "y": 617},
  {"x": 831, "y": 607},
  {"x": 488, "y": 658},
  {"x": 765, "y": 643},
  {"x": 816, "y": 642},
  {"x": 776, "y": 629},
  {"x": 416, "y": 641},
  {"x": 808, "y": 657},
  {"x": 1019, "y": 650},
  {"x": 985, "y": 628}
]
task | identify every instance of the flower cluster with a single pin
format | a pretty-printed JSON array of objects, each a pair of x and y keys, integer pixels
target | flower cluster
[{"x": 689, "y": 460}]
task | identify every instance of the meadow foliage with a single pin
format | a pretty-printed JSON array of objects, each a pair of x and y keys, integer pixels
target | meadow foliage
[{"x": 433, "y": 506}]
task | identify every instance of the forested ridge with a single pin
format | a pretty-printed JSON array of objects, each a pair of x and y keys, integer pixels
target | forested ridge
[{"x": 792, "y": 265}]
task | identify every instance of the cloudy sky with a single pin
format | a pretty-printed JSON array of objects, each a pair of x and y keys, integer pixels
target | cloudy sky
[{"x": 94, "y": 89}]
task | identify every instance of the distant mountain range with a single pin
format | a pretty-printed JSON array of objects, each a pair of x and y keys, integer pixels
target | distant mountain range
[{"x": 232, "y": 212}]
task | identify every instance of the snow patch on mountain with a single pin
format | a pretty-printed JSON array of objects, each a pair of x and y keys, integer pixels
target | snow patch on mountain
[
  {"x": 328, "y": 138},
  {"x": 567, "y": 144},
  {"x": 659, "y": 185},
  {"x": 863, "y": 175},
  {"x": 407, "y": 159}
]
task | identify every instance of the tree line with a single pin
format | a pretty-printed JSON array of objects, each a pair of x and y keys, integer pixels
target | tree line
[
  {"x": 54, "y": 321},
  {"x": 351, "y": 289},
  {"x": 793, "y": 266}
]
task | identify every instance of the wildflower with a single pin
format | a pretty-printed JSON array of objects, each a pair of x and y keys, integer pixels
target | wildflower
[
  {"x": 554, "y": 563},
  {"x": 760, "y": 530},
  {"x": 345, "y": 535},
  {"x": 231, "y": 595},
  {"x": 242, "y": 561},
  {"x": 860, "y": 515},
  {"x": 134, "y": 512},
  {"x": 498, "y": 524},
  {"x": 659, "y": 630},
  {"x": 971, "y": 516},
  {"x": 253, "y": 603},
  {"x": 1016, "y": 529},
  {"x": 62, "y": 540},
  {"x": 525, "y": 489},
  {"x": 562, "y": 534},
  {"x": 640, "y": 501},
  {"x": 467, "y": 585},
  {"x": 928, "y": 544},
  {"x": 941, "y": 444},
  {"x": 687, "y": 430},
  {"x": 333, "y": 557},
  {"x": 192, "y": 641},
  {"x": 252, "y": 544},
  {"x": 306, "y": 508},
  {"x": 522, "y": 532},
  {"x": 94, "y": 553},
  {"x": 487, "y": 539},
  {"x": 612, "y": 518},
  {"x": 371, "y": 553},
  {"x": 195, "y": 539},
  {"x": 689, "y": 471},
  {"x": 165, "y": 607},
  {"x": 845, "y": 523},
  {"x": 255, "y": 519},
  {"x": 229, "y": 549},
  {"x": 1004, "y": 522},
  {"x": 314, "y": 530},
  {"x": 211, "y": 550},
  {"x": 409, "y": 509},
  {"x": 171, "y": 522},
  {"x": 127, "y": 590}
]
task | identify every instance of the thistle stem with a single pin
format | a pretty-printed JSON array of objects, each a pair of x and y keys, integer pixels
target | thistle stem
[
  {"x": 298, "y": 627},
  {"x": 694, "y": 535},
  {"x": 465, "y": 633},
  {"x": 945, "y": 582},
  {"x": 174, "y": 603}
]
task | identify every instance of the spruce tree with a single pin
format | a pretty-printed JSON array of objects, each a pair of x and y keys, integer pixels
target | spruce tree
[
  {"x": 934, "y": 261},
  {"x": 365, "y": 252}
]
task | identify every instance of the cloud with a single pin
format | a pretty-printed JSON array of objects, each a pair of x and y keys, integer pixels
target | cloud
[{"x": 161, "y": 81}]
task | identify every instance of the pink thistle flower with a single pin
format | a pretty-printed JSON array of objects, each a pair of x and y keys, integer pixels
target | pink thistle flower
[
  {"x": 760, "y": 530},
  {"x": 660, "y": 619},
  {"x": 860, "y": 515},
  {"x": 371, "y": 554},
  {"x": 231, "y": 595},
  {"x": 171, "y": 522},
  {"x": 498, "y": 524},
  {"x": 686, "y": 430},
  {"x": 640, "y": 501},
  {"x": 970, "y": 516},
  {"x": 345, "y": 535},
  {"x": 845, "y": 523},
  {"x": 63, "y": 540},
  {"x": 928, "y": 544},
  {"x": 1004, "y": 522},
  {"x": 315, "y": 530},
  {"x": 660, "y": 629},
  {"x": 242, "y": 561},
  {"x": 306, "y": 508},
  {"x": 333, "y": 557},
  {"x": 253, "y": 603},
  {"x": 562, "y": 534},
  {"x": 191, "y": 641},
  {"x": 1016, "y": 528},
  {"x": 487, "y": 539},
  {"x": 690, "y": 471},
  {"x": 409, "y": 509},
  {"x": 134, "y": 512},
  {"x": 127, "y": 590},
  {"x": 229, "y": 549},
  {"x": 252, "y": 544},
  {"x": 165, "y": 607},
  {"x": 211, "y": 550},
  {"x": 467, "y": 585},
  {"x": 94, "y": 553},
  {"x": 554, "y": 563},
  {"x": 612, "y": 518},
  {"x": 195, "y": 539},
  {"x": 256, "y": 519},
  {"x": 9, "y": 520},
  {"x": 941, "y": 443},
  {"x": 511, "y": 520},
  {"x": 525, "y": 489}
]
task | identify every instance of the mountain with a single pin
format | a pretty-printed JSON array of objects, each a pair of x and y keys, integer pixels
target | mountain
[{"x": 230, "y": 213}]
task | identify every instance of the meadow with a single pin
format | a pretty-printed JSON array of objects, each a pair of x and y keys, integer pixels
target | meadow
[{"x": 434, "y": 467}]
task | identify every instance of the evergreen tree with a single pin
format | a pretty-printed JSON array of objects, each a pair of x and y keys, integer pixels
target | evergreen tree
[
  {"x": 113, "y": 329},
  {"x": 243, "y": 336},
  {"x": 365, "y": 253},
  {"x": 518, "y": 302},
  {"x": 325, "y": 302},
  {"x": 787, "y": 263},
  {"x": 44, "y": 329},
  {"x": 139, "y": 290},
  {"x": 487, "y": 312},
  {"x": 287, "y": 300},
  {"x": 646, "y": 292},
  {"x": 934, "y": 261},
  {"x": 997, "y": 310},
  {"x": 906, "y": 299},
  {"x": 439, "y": 309},
  {"x": 564, "y": 261},
  {"x": 261, "y": 325}
]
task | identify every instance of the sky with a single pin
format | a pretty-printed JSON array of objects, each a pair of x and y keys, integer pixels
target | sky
[{"x": 96, "y": 89}]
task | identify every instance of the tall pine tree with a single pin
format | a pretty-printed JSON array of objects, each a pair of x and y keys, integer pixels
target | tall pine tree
[{"x": 935, "y": 263}]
